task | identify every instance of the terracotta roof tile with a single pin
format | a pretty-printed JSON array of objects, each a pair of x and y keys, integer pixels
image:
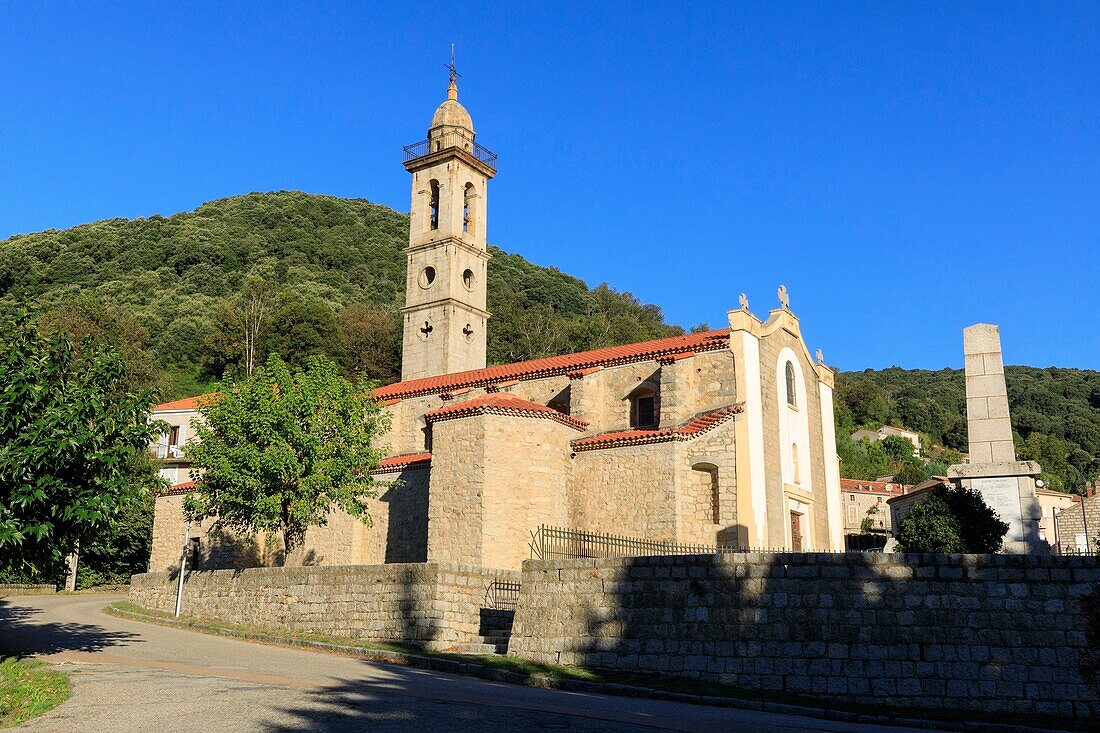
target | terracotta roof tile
[
  {"x": 502, "y": 403},
  {"x": 555, "y": 365},
  {"x": 179, "y": 489},
  {"x": 395, "y": 464},
  {"x": 690, "y": 429},
  {"x": 873, "y": 487},
  {"x": 187, "y": 403}
]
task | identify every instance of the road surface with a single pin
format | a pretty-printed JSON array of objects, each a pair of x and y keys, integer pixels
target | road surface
[{"x": 129, "y": 676}]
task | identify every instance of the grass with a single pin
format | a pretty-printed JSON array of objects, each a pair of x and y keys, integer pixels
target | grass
[
  {"x": 531, "y": 672},
  {"x": 28, "y": 689}
]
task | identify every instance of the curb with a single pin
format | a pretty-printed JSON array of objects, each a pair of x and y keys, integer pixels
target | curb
[{"x": 472, "y": 669}]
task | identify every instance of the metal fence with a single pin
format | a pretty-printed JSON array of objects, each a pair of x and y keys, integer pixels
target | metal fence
[
  {"x": 555, "y": 543},
  {"x": 447, "y": 140},
  {"x": 502, "y": 595}
]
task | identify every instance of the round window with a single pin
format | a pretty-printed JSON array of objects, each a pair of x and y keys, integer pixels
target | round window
[
  {"x": 468, "y": 279},
  {"x": 427, "y": 277}
]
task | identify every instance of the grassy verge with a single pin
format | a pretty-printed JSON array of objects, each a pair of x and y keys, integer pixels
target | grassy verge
[
  {"x": 28, "y": 689},
  {"x": 613, "y": 682}
]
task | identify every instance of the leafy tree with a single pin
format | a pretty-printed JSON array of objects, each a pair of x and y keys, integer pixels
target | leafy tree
[
  {"x": 372, "y": 341},
  {"x": 121, "y": 548},
  {"x": 74, "y": 440},
  {"x": 911, "y": 472},
  {"x": 951, "y": 520},
  {"x": 106, "y": 324},
  {"x": 302, "y": 328},
  {"x": 897, "y": 447},
  {"x": 279, "y": 450}
]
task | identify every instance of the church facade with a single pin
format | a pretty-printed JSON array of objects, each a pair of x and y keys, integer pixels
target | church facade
[{"x": 717, "y": 438}]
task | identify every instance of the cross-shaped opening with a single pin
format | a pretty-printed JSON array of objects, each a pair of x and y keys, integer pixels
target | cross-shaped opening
[{"x": 426, "y": 329}]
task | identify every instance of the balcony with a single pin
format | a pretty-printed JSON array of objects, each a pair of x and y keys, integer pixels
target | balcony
[
  {"x": 165, "y": 452},
  {"x": 449, "y": 140}
]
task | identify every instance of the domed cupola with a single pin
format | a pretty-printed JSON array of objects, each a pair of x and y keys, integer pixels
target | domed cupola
[{"x": 451, "y": 114}]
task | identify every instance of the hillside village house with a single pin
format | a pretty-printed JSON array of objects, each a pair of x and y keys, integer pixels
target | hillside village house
[
  {"x": 866, "y": 500},
  {"x": 885, "y": 432},
  {"x": 718, "y": 438}
]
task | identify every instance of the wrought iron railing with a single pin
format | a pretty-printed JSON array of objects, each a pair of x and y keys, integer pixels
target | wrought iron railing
[
  {"x": 453, "y": 139},
  {"x": 555, "y": 543},
  {"x": 502, "y": 595}
]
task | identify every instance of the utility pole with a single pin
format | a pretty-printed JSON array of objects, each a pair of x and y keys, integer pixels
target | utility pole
[{"x": 183, "y": 566}]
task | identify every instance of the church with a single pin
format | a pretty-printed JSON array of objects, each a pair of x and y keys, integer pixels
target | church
[{"x": 722, "y": 438}]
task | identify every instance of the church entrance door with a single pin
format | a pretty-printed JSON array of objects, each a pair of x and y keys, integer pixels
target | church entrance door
[{"x": 796, "y": 532}]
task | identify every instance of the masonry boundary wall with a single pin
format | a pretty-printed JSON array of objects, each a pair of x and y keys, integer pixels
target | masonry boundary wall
[
  {"x": 427, "y": 605},
  {"x": 991, "y": 633}
]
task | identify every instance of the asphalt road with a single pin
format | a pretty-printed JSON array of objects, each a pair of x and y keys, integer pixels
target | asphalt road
[{"x": 129, "y": 676}]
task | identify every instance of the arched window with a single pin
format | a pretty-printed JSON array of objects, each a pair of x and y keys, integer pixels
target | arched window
[
  {"x": 794, "y": 463},
  {"x": 792, "y": 395},
  {"x": 433, "y": 204},
  {"x": 468, "y": 209}
]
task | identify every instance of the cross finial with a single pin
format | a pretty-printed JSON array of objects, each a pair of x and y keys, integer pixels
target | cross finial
[{"x": 452, "y": 91}]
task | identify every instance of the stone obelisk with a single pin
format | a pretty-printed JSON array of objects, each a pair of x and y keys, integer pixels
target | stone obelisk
[{"x": 1007, "y": 485}]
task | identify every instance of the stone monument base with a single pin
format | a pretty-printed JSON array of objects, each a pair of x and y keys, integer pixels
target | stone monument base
[{"x": 1009, "y": 489}]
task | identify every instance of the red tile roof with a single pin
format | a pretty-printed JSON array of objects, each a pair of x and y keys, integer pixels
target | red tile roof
[
  {"x": 396, "y": 464},
  {"x": 187, "y": 403},
  {"x": 502, "y": 403},
  {"x": 692, "y": 428},
  {"x": 557, "y": 365},
  {"x": 179, "y": 489},
  {"x": 873, "y": 487}
]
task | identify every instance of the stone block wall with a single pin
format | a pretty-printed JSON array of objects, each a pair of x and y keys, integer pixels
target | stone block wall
[
  {"x": 430, "y": 605},
  {"x": 628, "y": 490},
  {"x": 993, "y": 633},
  {"x": 1070, "y": 527},
  {"x": 26, "y": 589},
  {"x": 397, "y": 533}
]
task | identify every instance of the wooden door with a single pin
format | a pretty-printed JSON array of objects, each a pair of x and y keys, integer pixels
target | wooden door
[{"x": 796, "y": 532}]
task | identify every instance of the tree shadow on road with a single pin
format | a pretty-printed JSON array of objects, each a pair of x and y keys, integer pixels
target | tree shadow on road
[
  {"x": 409, "y": 699},
  {"x": 22, "y": 635}
]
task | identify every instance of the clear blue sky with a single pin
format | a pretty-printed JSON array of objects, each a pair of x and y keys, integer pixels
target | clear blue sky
[{"x": 906, "y": 169}]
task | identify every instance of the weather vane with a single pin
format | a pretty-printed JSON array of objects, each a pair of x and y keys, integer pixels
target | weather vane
[{"x": 454, "y": 73}]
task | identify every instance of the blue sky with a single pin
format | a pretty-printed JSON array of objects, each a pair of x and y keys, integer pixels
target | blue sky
[{"x": 906, "y": 169}]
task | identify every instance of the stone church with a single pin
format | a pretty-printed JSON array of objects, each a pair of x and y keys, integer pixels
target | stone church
[{"x": 717, "y": 438}]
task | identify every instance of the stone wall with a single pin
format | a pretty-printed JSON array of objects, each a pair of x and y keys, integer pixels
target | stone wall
[
  {"x": 26, "y": 589},
  {"x": 1070, "y": 527},
  {"x": 494, "y": 479},
  {"x": 627, "y": 490},
  {"x": 398, "y": 532},
  {"x": 430, "y": 605},
  {"x": 973, "y": 632}
]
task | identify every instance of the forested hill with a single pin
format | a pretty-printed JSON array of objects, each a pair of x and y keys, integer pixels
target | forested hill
[
  {"x": 1055, "y": 417},
  {"x": 169, "y": 288}
]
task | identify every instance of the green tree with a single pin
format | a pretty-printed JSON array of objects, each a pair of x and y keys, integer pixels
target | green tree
[
  {"x": 897, "y": 447},
  {"x": 276, "y": 452},
  {"x": 951, "y": 520},
  {"x": 121, "y": 548},
  {"x": 74, "y": 440},
  {"x": 910, "y": 471},
  {"x": 302, "y": 328},
  {"x": 372, "y": 341}
]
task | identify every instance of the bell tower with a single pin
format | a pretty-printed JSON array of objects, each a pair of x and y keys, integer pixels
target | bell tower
[{"x": 444, "y": 314}]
